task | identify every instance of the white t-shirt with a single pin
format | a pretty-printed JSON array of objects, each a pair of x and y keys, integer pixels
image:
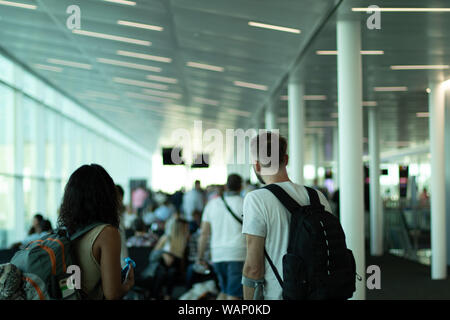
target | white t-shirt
[
  {"x": 192, "y": 200},
  {"x": 227, "y": 241},
  {"x": 265, "y": 216}
]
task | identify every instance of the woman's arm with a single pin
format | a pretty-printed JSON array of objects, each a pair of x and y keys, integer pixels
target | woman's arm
[
  {"x": 109, "y": 243},
  {"x": 161, "y": 242}
]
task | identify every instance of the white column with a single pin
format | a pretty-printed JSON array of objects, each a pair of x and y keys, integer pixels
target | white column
[
  {"x": 336, "y": 157},
  {"x": 296, "y": 115},
  {"x": 316, "y": 149},
  {"x": 270, "y": 117},
  {"x": 376, "y": 209},
  {"x": 437, "y": 147},
  {"x": 40, "y": 134},
  {"x": 19, "y": 208},
  {"x": 59, "y": 133},
  {"x": 447, "y": 171},
  {"x": 351, "y": 143}
]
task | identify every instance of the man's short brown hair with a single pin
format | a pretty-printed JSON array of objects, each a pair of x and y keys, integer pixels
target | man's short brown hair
[{"x": 265, "y": 140}]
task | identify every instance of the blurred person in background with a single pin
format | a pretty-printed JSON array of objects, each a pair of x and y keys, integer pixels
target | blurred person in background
[
  {"x": 122, "y": 209},
  {"x": 44, "y": 228},
  {"x": 193, "y": 200},
  {"x": 141, "y": 237},
  {"x": 228, "y": 247},
  {"x": 36, "y": 223}
]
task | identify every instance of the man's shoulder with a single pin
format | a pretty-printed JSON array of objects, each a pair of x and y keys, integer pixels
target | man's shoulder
[{"x": 260, "y": 193}]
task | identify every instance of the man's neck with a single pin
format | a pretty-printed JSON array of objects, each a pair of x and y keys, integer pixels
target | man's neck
[{"x": 280, "y": 177}]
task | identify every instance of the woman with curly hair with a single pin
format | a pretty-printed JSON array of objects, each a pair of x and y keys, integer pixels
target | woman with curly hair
[{"x": 90, "y": 198}]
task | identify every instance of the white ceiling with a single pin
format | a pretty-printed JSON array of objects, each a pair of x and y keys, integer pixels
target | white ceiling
[{"x": 216, "y": 32}]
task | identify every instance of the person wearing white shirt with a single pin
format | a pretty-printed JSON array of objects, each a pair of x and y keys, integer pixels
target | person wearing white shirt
[
  {"x": 193, "y": 200},
  {"x": 266, "y": 220},
  {"x": 228, "y": 249}
]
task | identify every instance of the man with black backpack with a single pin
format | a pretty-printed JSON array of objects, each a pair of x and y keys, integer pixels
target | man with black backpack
[{"x": 295, "y": 246}]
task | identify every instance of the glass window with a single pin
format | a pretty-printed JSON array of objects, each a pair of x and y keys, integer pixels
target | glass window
[
  {"x": 6, "y": 210},
  {"x": 6, "y": 70},
  {"x": 29, "y": 199},
  {"x": 29, "y": 133},
  {"x": 6, "y": 130}
]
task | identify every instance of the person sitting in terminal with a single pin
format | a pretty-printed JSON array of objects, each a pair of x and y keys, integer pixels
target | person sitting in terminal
[
  {"x": 42, "y": 229},
  {"x": 141, "y": 237},
  {"x": 170, "y": 251},
  {"x": 222, "y": 221},
  {"x": 266, "y": 220},
  {"x": 36, "y": 224},
  {"x": 90, "y": 198}
]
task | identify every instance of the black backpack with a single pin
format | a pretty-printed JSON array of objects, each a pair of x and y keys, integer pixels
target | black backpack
[{"x": 317, "y": 265}]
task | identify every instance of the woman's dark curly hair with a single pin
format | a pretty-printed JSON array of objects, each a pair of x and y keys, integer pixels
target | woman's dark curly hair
[{"x": 90, "y": 196}]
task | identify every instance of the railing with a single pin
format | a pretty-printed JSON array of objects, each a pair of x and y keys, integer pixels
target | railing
[{"x": 407, "y": 231}]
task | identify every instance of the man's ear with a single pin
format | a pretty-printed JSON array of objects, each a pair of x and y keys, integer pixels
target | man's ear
[{"x": 257, "y": 167}]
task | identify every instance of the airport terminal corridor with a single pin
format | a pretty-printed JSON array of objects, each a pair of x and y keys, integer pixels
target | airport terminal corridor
[{"x": 224, "y": 150}]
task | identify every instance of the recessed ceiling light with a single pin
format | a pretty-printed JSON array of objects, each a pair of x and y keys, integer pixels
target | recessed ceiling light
[
  {"x": 204, "y": 66},
  {"x": 205, "y": 101},
  {"x": 70, "y": 63},
  {"x": 105, "y": 95},
  {"x": 238, "y": 112},
  {"x": 389, "y": 89},
  {"x": 111, "y": 37},
  {"x": 363, "y": 52},
  {"x": 322, "y": 123},
  {"x": 314, "y": 97},
  {"x": 109, "y": 108},
  {"x": 419, "y": 67},
  {"x": 140, "y": 83},
  {"x": 162, "y": 79},
  {"x": 48, "y": 68},
  {"x": 428, "y": 90},
  {"x": 162, "y": 93},
  {"x": 422, "y": 114},
  {"x": 18, "y": 4},
  {"x": 273, "y": 27},
  {"x": 250, "y": 85},
  {"x": 143, "y": 56},
  {"x": 369, "y": 103},
  {"x": 147, "y": 97},
  {"x": 129, "y": 3},
  {"x": 139, "y": 25},
  {"x": 129, "y": 65},
  {"x": 307, "y": 97},
  {"x": 401, "y": 9}
]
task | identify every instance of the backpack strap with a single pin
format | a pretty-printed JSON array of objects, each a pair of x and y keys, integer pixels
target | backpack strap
[
  {"x": 314, "y": 198},
  {"x": 84, "y": 230},
  {"x": 230, "y": 211},
  {"x": 290, "y": 204}
]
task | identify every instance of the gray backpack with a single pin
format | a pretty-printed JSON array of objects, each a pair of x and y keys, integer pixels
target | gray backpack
[{"x": 44, "y": 264}]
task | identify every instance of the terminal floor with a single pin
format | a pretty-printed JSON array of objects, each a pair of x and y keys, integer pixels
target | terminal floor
[{"x": 403, "y": 279}]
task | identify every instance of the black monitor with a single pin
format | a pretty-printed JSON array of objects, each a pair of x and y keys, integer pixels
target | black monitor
[
  {"x": 328, "y": 173},
  {"x": 201, "y": 161},
  {"x": 172, "y": 156}
]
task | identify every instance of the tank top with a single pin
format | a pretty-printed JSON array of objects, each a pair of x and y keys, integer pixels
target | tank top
[{"x": 91, "y": 277}]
